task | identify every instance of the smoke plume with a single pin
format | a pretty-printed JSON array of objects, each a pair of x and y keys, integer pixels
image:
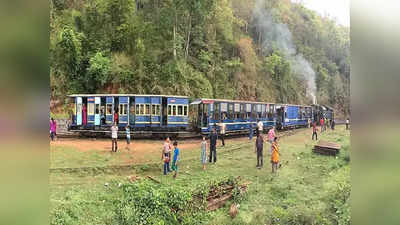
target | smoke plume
[{"x": 277, "y": 36}]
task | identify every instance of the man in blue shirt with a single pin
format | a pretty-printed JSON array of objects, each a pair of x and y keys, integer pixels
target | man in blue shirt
[{"x": 175, "y": 159}]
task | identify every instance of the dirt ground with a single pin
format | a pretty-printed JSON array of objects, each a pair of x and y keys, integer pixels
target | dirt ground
[{"x": 141, "y": 151}]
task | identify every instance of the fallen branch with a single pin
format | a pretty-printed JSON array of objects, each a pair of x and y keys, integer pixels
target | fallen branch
[{"x": 154, "y": 179}]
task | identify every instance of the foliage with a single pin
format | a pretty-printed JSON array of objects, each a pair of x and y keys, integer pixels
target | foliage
[{"x": 205, "y": 48}]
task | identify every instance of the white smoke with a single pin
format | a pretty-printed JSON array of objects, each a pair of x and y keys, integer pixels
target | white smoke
[{"x": 275, "y": 36}]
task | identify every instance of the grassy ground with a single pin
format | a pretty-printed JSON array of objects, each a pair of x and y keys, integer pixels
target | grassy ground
[{"x": 306, "y": 190}]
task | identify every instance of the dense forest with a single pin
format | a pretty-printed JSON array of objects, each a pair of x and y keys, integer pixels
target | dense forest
[{"x": 265, "y": 50}]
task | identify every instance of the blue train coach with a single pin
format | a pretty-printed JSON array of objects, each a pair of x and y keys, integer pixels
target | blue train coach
[
  {"x": 292, "y": 116},
  {"x": 237, "y": 115},
  {"x": 141, "y": 112}
]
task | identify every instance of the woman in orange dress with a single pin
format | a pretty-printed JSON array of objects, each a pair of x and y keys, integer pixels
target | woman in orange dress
[{"x": 275, "y": 155}]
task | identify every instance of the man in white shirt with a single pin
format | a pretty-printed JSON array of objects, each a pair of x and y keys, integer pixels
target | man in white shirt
[
  {"x": 260, "y": 126},
  {"x": 114, "y": 137},
  {"x": 347, "y": 123}
]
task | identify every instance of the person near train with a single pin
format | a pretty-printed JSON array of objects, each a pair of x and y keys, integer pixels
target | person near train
[
  {"x": 259, "y": 150},
  {"x": 84, "y": 115},
  {"x": 260, "y": 126},
  {"x": 314, "y": 129},
  {"x": 333, "y": 124},
  {"x": 213, "y": 146},
  {"x": 53, "y": 129},
  {"x": 114, "y": 137},
  {"x": 271, "y": 137},
  {"x": 251, "y": 131},
  {"x": 347, "y": 123},
  {"x": 222, "y": 132},
  {"x": 116, "y": 119},
  {"x": 275, "y": 155},
  {"x": 175, "y": 159},
  {"x": 166, "y": 155},
  {"x": 321, "y": 123},
  {"x": 128, "y": 136},
  {"x": 203, "y": 154}
]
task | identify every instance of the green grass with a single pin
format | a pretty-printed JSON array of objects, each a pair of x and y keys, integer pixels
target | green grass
[{"x": 307, "y": 189}]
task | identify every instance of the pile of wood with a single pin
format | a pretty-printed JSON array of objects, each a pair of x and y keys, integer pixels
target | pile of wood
[
  {"x": 326, "y": 148},
  {"x": 221, "y": 193}
]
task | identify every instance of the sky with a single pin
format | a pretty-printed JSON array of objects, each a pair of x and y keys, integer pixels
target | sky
[{"x": 336, "y": 9}]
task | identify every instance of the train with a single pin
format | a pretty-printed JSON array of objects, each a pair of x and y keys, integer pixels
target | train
[{"x": 178, "y": 114}]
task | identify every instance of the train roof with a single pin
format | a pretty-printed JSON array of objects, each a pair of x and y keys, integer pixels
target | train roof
[
  {"x": 286, "y": 104},
  {"x": 124, "y": 95},
  {"x": 200, "y": 100}
]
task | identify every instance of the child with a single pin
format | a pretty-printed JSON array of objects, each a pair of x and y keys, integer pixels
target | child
[
  {"x": 275, "y": 155},
  {"x": 203, "y": 155},
  {"x": 166, "y": 155},
  {"x": 128, "y": 137},
  {"x": 175, "y": 159}
]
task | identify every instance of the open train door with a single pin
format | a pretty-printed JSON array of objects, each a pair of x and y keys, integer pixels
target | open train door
[
  {"x": 109, "y": 110},
  {"x": 97, "y": 102},
  {"x": 78, "y": 111}
]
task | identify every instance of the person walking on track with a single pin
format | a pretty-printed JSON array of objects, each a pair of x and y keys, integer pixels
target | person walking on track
[
  {"x": 213, "y": 146},
  {"x": 114, "y": 137}
]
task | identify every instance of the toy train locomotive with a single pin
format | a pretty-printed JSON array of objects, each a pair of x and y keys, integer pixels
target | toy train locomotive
[{"x": 175, "y": 114}]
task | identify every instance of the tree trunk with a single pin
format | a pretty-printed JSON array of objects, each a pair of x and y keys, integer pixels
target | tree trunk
[
  {"x": 188, "y": 37},
  {"x": 174, "y": 32}
]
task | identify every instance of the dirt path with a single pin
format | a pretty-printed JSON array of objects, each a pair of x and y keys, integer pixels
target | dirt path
[{"x": 142, "y": 151}]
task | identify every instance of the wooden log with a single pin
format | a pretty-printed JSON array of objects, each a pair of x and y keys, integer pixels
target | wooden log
[{"x": 154, "y": 179}]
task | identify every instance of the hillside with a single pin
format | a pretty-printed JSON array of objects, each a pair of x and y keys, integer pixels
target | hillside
[{"x": 265, "y": 50}]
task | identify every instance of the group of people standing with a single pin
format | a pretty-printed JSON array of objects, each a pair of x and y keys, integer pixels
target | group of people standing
[
  {"x": 273, "y": 152},
  {"x": 166, "y": 157},
  {"x": 259, "y": 145}
]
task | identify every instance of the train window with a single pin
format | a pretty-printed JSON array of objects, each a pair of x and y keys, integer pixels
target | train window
[
  {"x": 185, "y": 111},
  {"x": 174, "y": 110},
  {"x": 169, "y": 110},
  {"x": 230, "y": 111},
  {"x": 223, "y": 116},
  {"x": 180, "y": 110},
  {"x": 90, "y": 108},
  {"x": 153, "y": 109},
  {"x": 123, "y": 109},
  {"x": 216, "y": 112},
  {"x": 109, "y": 109},
  {"x": 147, "y": 109},
  {"x": 141, "y": 109},
  {"x": 137, "y": 109},
  {"x": 237, "y": 115}
]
